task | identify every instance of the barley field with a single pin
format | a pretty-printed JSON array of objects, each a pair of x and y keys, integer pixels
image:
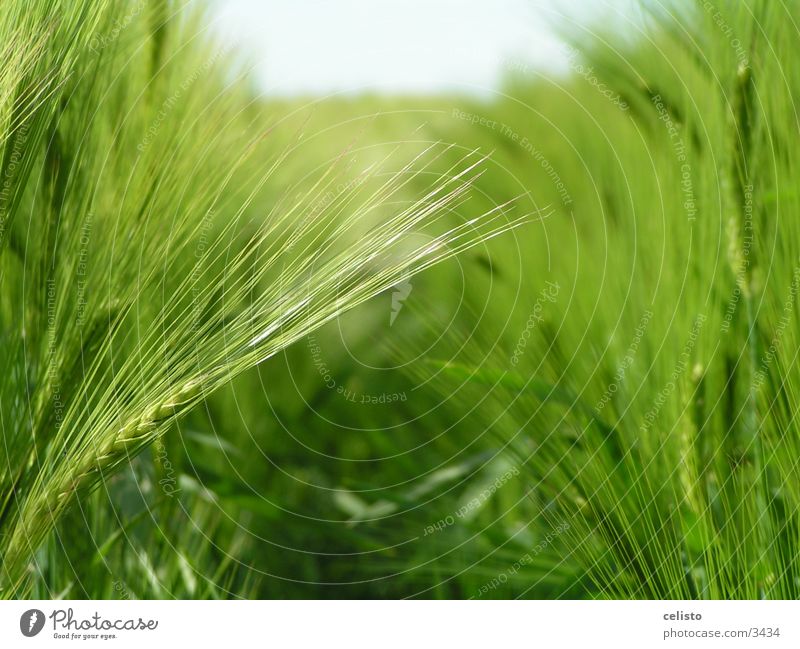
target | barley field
[{"x": 539, "y": 343}]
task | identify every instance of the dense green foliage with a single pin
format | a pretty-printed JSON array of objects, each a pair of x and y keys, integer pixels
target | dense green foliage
[{"x": 599, "y": 403}]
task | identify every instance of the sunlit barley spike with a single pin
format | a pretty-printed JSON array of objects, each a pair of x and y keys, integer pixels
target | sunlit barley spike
[
  {"x": 144, "y": 427},
  {"x": 131, "y": 435},
  {"x": 104, "y": 461},
  {"x": 129, "y": 431},
  {"x": 189, "y": 393},
  {"x": 101, "y": 464},
  {"x": 76, "y": 483}
]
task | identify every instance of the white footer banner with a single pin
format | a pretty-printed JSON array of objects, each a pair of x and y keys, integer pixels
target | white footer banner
[{"x": 388, "y": 624}]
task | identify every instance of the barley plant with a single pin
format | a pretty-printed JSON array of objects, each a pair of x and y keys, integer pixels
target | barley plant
[
  {"x": 143, "y": 263},
  {"x": 224, "y": 374}
]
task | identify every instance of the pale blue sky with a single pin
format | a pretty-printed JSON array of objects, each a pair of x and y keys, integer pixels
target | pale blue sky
[{"x": 328, "y": 46}]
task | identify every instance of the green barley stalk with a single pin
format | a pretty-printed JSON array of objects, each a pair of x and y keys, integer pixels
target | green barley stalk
[{"x": 144, "y": 272}]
